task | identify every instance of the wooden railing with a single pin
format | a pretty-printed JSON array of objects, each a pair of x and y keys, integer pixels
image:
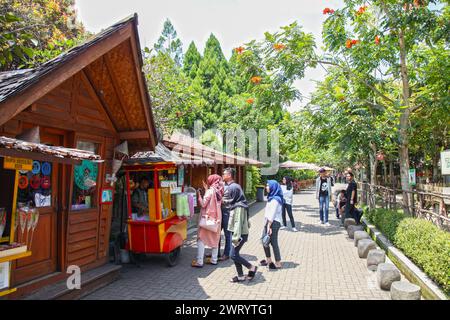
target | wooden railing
[{"x": 432, "y": 206}]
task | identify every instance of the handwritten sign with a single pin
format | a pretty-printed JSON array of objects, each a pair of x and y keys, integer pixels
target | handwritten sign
[{"x": 18, "y": 164}]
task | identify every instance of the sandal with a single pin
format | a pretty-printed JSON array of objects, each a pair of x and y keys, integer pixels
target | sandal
[
  {"x": 272, "y": 266},
  {"x": 195, "y": 264},
  {"x": 236, "y": 279},
  {"x": 251, "y": 274},
  {"x": 263, "y": 263},
  {"x": 208, "y": 260}
]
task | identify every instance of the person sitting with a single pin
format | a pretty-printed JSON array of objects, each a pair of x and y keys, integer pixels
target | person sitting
[{"x": 139, "y": 199}]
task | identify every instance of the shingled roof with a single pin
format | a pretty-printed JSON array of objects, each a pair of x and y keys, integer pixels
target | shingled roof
[{"x": 16, "y": 81}]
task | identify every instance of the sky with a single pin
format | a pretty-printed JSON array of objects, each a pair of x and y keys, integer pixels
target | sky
[{"x": 233, "y": 22}]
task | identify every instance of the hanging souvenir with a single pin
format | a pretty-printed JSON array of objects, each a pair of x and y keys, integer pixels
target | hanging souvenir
[
  {"x": 35, "y": 182},
  {"x": 23, "y": 182},
  {"x": 46, "y": 168},
  {"x": 45, "y": 182},
  {"x": 36, "y": 167},
  {"x": 86, "y": 175}
]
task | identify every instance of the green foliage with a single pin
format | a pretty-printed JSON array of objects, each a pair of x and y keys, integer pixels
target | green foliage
[
  {"x": 428, "y": 247},
  {"x": 256, "y": 180},
  {"x": 386, "y": 220},
  {"x": 29, "y": 28},
  {"x": 169, "y": 43},
  {"x": 420, "y": 240}
]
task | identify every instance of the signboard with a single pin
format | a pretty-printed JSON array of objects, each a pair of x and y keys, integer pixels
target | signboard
[
  {"x": 18, "y": 164},
  {"x": 445, "y": 162},
  {"x": 172, "y": 184},
  {"x": 412, "y": 177}
]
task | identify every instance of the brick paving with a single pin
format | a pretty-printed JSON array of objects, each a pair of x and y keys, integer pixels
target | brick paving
[{"x": 318, "y": 263}]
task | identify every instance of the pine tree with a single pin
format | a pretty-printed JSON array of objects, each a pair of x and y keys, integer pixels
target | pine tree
[
  {"x": 169, "y": 43},
  {"x": 191, "y": 61}
]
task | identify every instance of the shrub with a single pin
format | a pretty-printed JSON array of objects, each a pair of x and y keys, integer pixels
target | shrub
[
  {"x": 427, "y": 246},
  {"x": 385, "y": 220}
]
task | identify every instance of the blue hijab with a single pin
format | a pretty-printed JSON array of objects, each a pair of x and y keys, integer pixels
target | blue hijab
[{"x": 275, "y": 192}]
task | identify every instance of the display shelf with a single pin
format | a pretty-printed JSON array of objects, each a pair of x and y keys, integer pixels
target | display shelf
[{"x": 15, "y": 256}]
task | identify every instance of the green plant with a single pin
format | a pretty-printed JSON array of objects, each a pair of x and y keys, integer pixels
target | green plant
[
  {"x": 255, "y": 174},
  {"x": 386, "y": 220},
  {"x": 427, "y": 246}
]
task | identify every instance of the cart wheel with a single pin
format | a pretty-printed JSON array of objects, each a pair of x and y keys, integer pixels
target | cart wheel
[{"x": 172, "y": 257}]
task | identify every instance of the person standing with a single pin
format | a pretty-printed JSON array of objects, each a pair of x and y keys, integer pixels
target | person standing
[
  {"x": 210, "y": 207},
  {"x": 323, "y": 194},
  {"x": 235, "y": 202},
  {"x": 272, "y": 223},
  {"x": 351, "y": 195},
  {"x": 288, "y": 193}
]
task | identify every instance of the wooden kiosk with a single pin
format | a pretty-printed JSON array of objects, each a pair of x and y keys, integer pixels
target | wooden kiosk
[{"x": 161, "y": 230}]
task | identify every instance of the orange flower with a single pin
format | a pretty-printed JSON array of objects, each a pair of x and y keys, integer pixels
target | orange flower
[
  {"x": 279, "y": 46},
  {"x": 377, "y": 40},
  {"x": 328, "y": 11},
  {"x": 361, "y": 10},
  {"x": 239, "y": 50},
  {"x": 354, "y": 42},
  {"x": 250, "y": 100},
  {"x": 348, "y": 43},
  {"x": 256, "y": 79}
]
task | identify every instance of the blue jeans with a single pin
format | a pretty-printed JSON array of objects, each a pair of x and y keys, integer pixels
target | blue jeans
[
  {"x": 236, "y": 257},
  {"x": 227, "y": 249},
  {"x": 324, "y": 206}
]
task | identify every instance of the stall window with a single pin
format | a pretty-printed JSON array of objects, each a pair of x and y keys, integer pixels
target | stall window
[
  {"x": 34, "y": 186},
  {"x": 85, "y": 177}
]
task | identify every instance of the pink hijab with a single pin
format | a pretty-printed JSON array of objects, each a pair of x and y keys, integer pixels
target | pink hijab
[{"x": 215, "y": 182}]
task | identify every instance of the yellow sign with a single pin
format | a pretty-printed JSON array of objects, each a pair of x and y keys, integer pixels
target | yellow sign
[{"x": 18, "y": 164}]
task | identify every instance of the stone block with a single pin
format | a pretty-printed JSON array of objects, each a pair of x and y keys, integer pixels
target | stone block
[
  {"x": 374, "y": 258},
  {"x": 359, "y": 235},
  {"x": 403, "y": 290},
  {"x": 387, "y": 274},
  {"x": 364, "y": 246},
  {"x": 349, "y": 222},
  {"x": 352, "y": 228}
]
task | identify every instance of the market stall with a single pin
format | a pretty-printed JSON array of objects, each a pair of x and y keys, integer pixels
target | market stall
[{"x": 158, "y": 204}]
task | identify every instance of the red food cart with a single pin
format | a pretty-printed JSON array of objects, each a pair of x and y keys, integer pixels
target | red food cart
[{"x": 161, "y": 230}]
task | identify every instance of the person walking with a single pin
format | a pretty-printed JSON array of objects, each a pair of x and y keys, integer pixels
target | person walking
[
  {"x": 352, "y": 196},
  {"x": 272, "y": 223},
  {"x": 323, "y": 194},
  {"x": 210, "y": 208},
  {"x": 238, "y": 225},
  {"x": 288, "y": 193}
]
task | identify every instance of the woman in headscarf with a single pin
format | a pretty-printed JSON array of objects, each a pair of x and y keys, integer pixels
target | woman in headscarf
[
  {"x": 210, "y": 207},
  {"x": 272, "y": 223},
  {"x": 288, "y": 193}
]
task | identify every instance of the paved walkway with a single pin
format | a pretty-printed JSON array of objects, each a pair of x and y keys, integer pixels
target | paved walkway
[{"x": 318, "y": 263}]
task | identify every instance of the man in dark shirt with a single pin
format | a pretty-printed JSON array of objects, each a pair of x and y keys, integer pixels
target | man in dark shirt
[
  {"x": 351, "y": 195},
  {"x": 233, "y": 197}
]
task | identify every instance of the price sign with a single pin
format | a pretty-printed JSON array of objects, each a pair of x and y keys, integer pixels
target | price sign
[{"x": 18, "y": 164}]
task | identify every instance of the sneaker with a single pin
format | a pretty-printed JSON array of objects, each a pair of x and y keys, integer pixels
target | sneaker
[
  {"x": 294, "y": 229},
  {"x": 327, "y": 224},
  {"x": 320, "y": 222},
  {"x": 283, "y": 227}
]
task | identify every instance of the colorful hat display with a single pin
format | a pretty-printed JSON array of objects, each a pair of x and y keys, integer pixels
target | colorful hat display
[
  {"x": 36, "y": 169},
  {"x": 23, "y": 182},
  {"x": 85, "y": 174},
  {"x": 46, "y": 168},
  {"x": 45, "y": 182},
  {"x": 35, "y": 182}
]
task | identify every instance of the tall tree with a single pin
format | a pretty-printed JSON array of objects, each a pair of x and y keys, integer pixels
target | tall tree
[
  {"x": 191, "y": 61},
  {"x": 169, "y": 43}
]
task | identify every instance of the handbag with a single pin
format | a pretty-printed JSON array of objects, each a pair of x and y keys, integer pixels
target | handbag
[
  {"x": 209, "y": 224},
  {"x": 265, "y": 240}
]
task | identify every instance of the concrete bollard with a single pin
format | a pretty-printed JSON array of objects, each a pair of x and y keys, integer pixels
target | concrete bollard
[
  {"x": 364, "y": 246},
  {"x": 374, "y": 258},
  {"x": 387, "y": 274},
  {"x": 402, "y": 290},
  {"x": 359, "y": 235},
  {"x": 352, "y": 229},
  {"x": 349, "y": 222}
]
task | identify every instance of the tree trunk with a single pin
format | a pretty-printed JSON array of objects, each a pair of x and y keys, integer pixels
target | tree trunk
[
  {"x": 404, "y": 124},
  {"x": 385, "y": 173},
  {"x": 436, "y": 158},
  {"x": 391, "y": 173},
  {"x": 373, "y": 164}
]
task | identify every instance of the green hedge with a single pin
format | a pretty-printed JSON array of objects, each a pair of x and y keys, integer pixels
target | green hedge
[
  {"x": 428, "y": 247},
  {"x": 387, "y": 221},
  {"x": 420, "y": 240}
]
